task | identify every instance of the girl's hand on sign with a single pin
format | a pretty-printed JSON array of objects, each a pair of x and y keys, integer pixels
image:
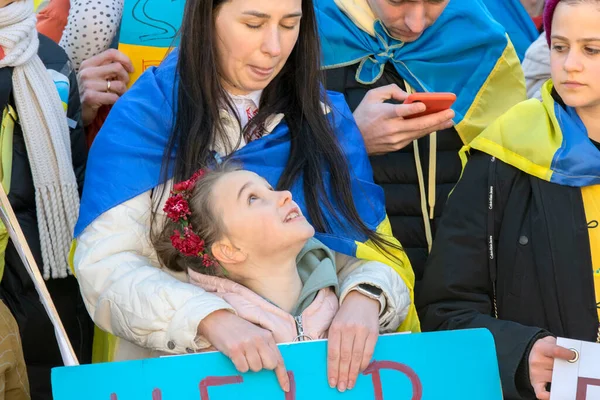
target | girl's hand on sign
[
  {"x": 541, "y": 364},
  {"x": 248, "y": 346},
  {"x": 352, "y": 338}
]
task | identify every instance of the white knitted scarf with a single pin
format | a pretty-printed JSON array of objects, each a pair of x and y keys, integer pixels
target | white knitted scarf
[{"x": 46, "y": 134}]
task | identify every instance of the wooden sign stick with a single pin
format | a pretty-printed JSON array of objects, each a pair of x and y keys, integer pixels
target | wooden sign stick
[{"x": 8, "y": 217}]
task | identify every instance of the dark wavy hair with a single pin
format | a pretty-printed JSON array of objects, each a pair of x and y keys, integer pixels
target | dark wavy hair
[{"x": 296, "y": 92}]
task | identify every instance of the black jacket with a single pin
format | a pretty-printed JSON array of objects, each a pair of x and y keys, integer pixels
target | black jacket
[
  {"x": 397, "y": 174},
  {"x": 541, "y": 265},
  {"x": 16, "y": 288}
]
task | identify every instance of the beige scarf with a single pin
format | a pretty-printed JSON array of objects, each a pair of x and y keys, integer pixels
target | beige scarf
[{"x": 46, "y": 136}]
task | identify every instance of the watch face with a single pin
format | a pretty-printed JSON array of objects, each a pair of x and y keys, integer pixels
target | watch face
[{"x": 371, "y": 289}]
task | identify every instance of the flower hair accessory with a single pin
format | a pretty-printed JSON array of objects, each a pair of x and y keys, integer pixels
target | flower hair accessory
[{"x": 177, "y": 208}]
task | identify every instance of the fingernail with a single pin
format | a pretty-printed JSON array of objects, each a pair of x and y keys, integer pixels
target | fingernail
[
  {"x": 350, "y": 385},
  {"x": 332, "y": 383},
  {"x": 342, "y": 387},
  {"x": 287, "y": 387}
]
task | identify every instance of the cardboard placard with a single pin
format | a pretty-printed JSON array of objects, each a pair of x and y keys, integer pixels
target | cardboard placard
[
  {"x": 429, "y": 366},
  {"x": 148, "y": 31},
  {"x": 579, "y": 380},
  {"x": 9, "y": 219}
]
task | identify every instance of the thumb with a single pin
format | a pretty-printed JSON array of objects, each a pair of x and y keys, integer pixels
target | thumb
[{"x": 540, "y": 391}]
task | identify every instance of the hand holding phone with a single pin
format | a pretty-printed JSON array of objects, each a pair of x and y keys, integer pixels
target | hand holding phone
[{"x": 435, "y": 102}]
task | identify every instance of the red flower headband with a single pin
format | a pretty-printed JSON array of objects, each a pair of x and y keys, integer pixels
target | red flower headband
[{"x": 177, "y": 208}]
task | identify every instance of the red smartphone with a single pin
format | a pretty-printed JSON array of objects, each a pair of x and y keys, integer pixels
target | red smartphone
[{"x": 435, "y": 102}]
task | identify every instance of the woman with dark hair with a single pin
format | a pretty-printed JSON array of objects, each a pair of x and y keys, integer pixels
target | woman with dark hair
[{"x": 245, "y": 83}]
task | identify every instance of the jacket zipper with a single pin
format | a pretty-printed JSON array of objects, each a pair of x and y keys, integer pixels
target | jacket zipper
[{"x": 299, "y": 328}]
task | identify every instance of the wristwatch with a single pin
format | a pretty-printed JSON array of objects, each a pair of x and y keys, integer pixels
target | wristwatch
[{"x": 372, "y": 292}]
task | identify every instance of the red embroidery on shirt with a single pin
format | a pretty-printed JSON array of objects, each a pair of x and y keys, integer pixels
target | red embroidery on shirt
[{"x": 256, "y": 132}]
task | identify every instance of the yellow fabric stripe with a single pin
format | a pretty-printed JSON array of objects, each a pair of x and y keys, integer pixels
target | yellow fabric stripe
[
  {"x": 360, "y": 12},
  {"x": 369, "y": 251},
  {"x": 142, "y": 58},
  {"x": 591, "y": 203},
  {"x": 104, "y": 346},
  {"x": 504, "y": 87},
  {"x": 526, "y": 137},
  {"x": 9, "y": 118}
]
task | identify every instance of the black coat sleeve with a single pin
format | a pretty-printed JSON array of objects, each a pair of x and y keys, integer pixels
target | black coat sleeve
[
  {"x": 457, "y": 289},
  {"x": 78, "y": 142}
]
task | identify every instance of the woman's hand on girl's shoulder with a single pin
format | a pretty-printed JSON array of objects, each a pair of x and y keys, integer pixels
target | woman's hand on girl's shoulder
[
  {"x": 248, "y": 346},
  {"x": 352, "y": 338}
]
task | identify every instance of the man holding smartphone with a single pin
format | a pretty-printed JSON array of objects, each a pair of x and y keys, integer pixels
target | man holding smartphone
[{"x": 377, "y": 52}]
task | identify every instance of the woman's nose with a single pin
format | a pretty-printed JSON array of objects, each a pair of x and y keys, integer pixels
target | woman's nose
[{"x": 272, "y": 43}]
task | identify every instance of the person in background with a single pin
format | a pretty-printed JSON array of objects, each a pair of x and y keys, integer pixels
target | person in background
[
  {"x": 376, "y": 51},
  {"x": 90, "y": 40},
  {"x": 536, "y": 67},
  {"x": 518, "y": 24},
  {"x": 52, "y": 18},
  {"x": 518, "y": 251},
  {"x": 14, "y": 382},
  {"x": 43, "y": 165},
  {"x": 535, "y": 10}
]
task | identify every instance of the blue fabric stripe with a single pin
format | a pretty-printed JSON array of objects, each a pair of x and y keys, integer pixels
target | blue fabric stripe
[
  {"x": 577, "y": 161},
  {"x": 126, "y": 156}
]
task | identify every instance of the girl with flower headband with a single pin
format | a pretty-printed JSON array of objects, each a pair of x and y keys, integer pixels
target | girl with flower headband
[{"x": 240, "y": 239}]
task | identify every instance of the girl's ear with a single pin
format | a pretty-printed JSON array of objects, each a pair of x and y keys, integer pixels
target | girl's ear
[{"x": 226, "y": 253}]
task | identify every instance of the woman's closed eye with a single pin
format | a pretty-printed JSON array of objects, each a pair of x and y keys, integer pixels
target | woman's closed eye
[
  {"x": 289, "y": 26},
  {"x": 591, "y": 50}
]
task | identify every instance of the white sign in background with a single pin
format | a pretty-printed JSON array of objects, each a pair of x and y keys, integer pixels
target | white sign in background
[{"x": 579, "y": 380}]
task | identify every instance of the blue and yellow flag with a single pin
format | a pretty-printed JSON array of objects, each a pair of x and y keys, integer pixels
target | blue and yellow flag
[
  {"x": 544, "y": 139},
  {"x": 465, "y": 52},
  {"x": 125, "y": 161}
]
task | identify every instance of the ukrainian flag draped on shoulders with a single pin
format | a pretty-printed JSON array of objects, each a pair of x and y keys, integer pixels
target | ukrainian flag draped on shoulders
[
  {"x": 125, "y": 161},
  {"x": 465, "y": 52},
  {"x": 544, "y": 139}
]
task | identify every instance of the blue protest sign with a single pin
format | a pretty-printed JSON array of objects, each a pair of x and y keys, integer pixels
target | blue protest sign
[
  {"x": 148, "y": 30},
  {"x": 428, "y": 366}
]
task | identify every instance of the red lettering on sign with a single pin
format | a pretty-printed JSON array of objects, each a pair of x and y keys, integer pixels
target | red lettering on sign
[
  {"x": 291, "y": 395},
  {"x": 376, "y": 366},
  {"x": 217, "y": 381},
  {"x": 582, "y": 387}
]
